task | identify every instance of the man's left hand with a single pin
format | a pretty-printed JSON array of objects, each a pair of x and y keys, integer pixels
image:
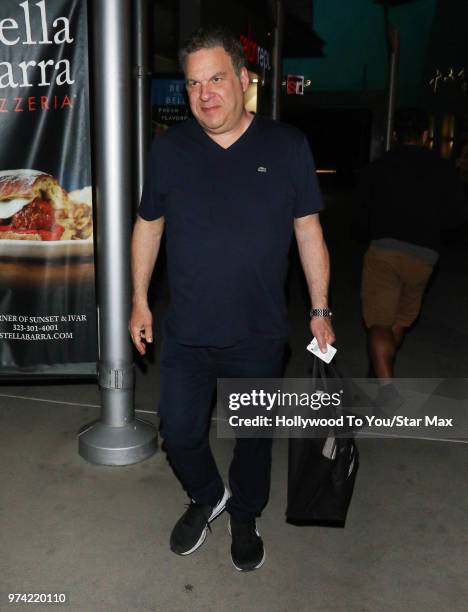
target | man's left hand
[{"x": 322, "y": 329}]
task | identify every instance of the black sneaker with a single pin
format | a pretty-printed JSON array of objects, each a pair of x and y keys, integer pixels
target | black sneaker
[
  {"x": 247, "y": 550},
  {"x": 190, "y": 530}
]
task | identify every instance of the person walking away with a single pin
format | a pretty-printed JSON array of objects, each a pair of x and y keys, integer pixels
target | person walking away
[{"x": 406, "y": 198}]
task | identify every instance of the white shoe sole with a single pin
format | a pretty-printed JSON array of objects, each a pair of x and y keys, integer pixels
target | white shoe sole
[
  {"x": 220, "y": 506},
  {"x": 240, "y": 569}
]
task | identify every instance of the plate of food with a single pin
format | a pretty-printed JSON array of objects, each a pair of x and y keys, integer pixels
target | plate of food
[{"x": 39, "y": 218}]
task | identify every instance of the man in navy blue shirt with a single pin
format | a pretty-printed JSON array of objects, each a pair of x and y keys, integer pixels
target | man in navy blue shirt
[{"x": 228, "y": 188}]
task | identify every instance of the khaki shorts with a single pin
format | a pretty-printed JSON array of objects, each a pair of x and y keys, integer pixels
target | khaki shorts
[{"x": 393, "y": 285}]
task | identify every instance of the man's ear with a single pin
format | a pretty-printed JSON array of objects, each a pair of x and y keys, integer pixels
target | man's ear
[{"x": 244, "y": 78}]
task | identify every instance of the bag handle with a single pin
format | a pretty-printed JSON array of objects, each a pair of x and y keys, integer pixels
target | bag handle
[
  {"x": 315, "y": 371},
  {"x": 321, "y": 368},
  {"x": 322, "y": 373}
]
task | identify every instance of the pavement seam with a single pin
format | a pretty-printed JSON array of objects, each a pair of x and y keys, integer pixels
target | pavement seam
[
  {"x": 369, "y": 434},
  {"x": 49, "y": 401}
]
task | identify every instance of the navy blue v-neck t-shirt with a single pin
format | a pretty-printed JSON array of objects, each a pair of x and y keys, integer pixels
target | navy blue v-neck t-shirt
[{"x": 228, "y": 221}]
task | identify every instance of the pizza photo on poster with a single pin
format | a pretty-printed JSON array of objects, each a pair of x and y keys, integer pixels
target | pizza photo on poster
[{"x": 47, "y": 295}]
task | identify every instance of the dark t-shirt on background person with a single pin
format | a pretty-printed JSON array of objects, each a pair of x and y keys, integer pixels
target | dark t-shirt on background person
[{"x": 410, "y": 195}]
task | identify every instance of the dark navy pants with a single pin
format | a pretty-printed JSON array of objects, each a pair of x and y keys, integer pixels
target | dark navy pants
[{"x": 188, "y": 383}]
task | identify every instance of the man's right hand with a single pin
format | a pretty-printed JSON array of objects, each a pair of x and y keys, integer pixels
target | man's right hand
[{"x": 140, "y": 327}]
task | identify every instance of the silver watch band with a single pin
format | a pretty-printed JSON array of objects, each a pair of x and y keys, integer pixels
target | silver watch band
[{"x": 321, "y": 312}]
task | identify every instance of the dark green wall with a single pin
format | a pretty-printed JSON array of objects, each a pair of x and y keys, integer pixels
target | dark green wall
[{"x": 355, "y": 49}]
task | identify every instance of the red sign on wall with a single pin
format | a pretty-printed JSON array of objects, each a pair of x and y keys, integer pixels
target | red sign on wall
[{"x": 295, "y": 85}]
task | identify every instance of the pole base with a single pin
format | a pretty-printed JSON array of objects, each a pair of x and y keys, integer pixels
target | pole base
[{"x": 105, "y": 445}]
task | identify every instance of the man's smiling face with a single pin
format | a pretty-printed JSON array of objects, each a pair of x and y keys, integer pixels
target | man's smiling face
[{"x": 216, "y": 92}]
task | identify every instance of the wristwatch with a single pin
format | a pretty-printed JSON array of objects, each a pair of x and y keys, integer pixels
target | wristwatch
[{"x": 321, "y": 312}]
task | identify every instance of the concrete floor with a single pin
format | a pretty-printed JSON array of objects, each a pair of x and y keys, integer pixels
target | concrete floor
[{"x": 100, "y": 534}]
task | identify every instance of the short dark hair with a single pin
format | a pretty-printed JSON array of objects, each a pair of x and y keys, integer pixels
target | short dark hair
[
  {"x": 209, "y": 37},
  {"x": 410, "y": 124}
]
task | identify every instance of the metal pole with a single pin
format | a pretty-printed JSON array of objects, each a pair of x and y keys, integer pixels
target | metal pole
[
  {"x": 392, "y": 91},
  {"x": 393, "y": 54},
  {"x": 142, "y": 94},
  {"x": 118, "y": 438},
  {"x": 277, "y": 61}
]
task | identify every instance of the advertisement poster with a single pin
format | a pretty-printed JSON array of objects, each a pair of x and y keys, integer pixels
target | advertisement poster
[
  {"x": 169, "y": 102},
  {"x": 47, "y": 298}
]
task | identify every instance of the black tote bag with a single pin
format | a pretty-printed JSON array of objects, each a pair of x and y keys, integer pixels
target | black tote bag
[{"x": 321, "y": 472}]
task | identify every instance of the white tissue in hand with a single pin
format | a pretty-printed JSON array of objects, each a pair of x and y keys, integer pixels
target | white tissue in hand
[{"x": 314, "y": 348}]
